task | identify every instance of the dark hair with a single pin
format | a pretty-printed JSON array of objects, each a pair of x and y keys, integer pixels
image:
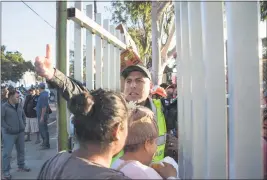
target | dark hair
[
  {"x": 164, "y": 85},
  {"x": 11, "y": 92},
  {"x": 32, "y": 89},
  {"x": 172, "y": 86},
  {"x": 96, "y": 114}
]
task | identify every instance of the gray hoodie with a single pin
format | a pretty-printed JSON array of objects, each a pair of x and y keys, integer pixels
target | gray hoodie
[{"x": 12, "y": 118}]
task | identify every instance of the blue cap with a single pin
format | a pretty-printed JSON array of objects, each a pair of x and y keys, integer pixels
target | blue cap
[{"x": 41, "y": 85}]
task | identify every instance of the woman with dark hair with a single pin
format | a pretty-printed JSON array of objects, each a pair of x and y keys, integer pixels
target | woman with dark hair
[{"x": 101, "y": 126}]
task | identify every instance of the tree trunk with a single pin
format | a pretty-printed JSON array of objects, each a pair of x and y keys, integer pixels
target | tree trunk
[{"x": 156, "y": 62}]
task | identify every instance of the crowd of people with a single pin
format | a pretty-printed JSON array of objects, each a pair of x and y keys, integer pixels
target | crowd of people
[
  {"x": 106, "y": 126},
  {"x": 22, "y": 118},
  {"x": 128, "y": 135}
]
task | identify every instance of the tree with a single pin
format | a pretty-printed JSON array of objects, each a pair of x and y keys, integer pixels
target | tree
[
  {"x": 263, "y": 7},
  {"x": 13, "y": 65},
  {"x": 136, "y": 15}
]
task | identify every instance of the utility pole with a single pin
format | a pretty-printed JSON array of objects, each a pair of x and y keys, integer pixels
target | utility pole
[
  {"x": 95, "y": 8},
  {"x": 62, "y": 64}
]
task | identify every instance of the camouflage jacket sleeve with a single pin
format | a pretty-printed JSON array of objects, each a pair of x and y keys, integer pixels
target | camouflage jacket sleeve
[{"x": 66, "y": 86}]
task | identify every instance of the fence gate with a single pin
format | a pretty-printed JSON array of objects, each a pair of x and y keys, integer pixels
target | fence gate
[{"x": 216, "y": 141}]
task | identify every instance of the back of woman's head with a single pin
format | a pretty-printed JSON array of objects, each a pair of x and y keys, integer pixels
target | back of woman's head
[
  {"x": 97, "y": 114},
  {"x": 142, "y": 127}
]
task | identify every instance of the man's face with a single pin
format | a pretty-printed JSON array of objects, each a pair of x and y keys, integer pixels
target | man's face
[
  {"x": 170, "y": 92},
  {"x": 32, "y": 92},
  {"x": 15, "y": 98},
  {"x": 136, "y": 87}
]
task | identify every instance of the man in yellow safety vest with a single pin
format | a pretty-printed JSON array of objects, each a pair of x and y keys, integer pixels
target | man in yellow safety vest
[{"x": 137, "y": 85}]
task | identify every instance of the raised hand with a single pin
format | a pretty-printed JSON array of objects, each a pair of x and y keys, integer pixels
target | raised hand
[{"x": 43, "y": 65}]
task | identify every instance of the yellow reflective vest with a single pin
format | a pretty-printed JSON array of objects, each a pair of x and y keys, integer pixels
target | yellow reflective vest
[{"x": 161, "y": 141}]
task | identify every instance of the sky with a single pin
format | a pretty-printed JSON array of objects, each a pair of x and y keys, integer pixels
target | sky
[{"x": 24, "y": 31}]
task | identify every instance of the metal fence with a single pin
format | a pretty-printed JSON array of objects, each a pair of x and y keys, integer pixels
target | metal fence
[{"x": 215, "y": 143}]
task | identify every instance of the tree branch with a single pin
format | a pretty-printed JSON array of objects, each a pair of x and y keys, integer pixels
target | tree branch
[
  {"x": 165, "y": 48},
  {"x": 171, "y": 52},
  {"x": 161, "y": 25},
  {"x": 162, "y": 8}
]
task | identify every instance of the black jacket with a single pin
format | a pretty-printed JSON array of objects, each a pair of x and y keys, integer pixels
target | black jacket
[
  {"x": 170, "y": 113},
  {"x": 29, "y": 105}
]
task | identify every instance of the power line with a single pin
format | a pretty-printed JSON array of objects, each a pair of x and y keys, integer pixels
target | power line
[{"x": 38, "y": 15}]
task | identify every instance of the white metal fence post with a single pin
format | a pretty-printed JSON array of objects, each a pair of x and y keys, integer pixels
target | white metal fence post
[
  {"x": 213, "y": 55},
  {"x": 244, "y": 86},
  {"x": 112, "y": 62},
  {"x": 98, "y": 55},
  {"x": 179, "y": 89},
  {"x": 78, "y": 47},
  {"x": 115, "y": 64},
  {"x": 186, "y": 65},
  {"x": 198, "y": 91},
  {"x": 90, "y": 58},
  {"x": 118, "y": 63},
  {"x": 106, "y": 60}
]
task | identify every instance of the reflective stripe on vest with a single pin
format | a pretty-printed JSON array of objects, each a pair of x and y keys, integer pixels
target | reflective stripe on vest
[{"x": 161, "y": 141}]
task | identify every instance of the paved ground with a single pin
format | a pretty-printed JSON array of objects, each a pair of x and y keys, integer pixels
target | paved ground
[{"x": 35, "y": 157}]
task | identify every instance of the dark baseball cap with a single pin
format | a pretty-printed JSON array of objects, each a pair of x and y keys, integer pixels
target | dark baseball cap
[
  {"x": 125, "y": 73},
  {"x": 42, "y": 86}
]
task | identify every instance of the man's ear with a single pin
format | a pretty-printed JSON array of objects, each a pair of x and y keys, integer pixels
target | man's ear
[
  {"x": 147, "y": 145},
  {"x": 116, "y": 131}
]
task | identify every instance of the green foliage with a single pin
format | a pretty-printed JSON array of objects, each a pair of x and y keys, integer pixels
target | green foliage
[
  {"x": 263, "y": 7},
  {"x": 13, "y": 66},
  {"x": 136, "y": 15}
]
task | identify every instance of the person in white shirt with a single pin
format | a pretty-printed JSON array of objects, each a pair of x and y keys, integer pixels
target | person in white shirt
[{"x": 140, "y": 147}]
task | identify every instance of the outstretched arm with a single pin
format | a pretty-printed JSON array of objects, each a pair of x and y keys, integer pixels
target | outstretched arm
[{"x": 66, "y": 86}]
